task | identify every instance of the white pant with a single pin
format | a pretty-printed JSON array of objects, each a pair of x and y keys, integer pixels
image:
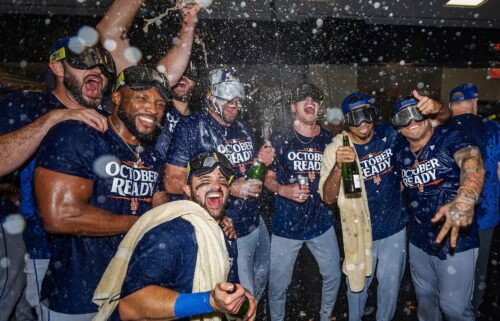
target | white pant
[{"x": 35, "y": 271}]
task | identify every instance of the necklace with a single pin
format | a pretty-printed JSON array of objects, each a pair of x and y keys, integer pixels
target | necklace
[
  {"x": 300, "y": 140},
  {"x": 139, "y": 147},
  {"x": 417, "y": 155}
]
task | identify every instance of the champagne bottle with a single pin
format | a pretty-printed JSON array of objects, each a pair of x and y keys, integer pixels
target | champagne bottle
[
  {"x": 257, "y": 170},
  {"x": 350, "y": 175},
  {"x": 241, "y": 312}
]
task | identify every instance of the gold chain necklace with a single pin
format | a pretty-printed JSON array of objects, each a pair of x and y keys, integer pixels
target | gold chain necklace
[
  {"x": 136, "y": 154},
  {"x": 300, "y": 140}
]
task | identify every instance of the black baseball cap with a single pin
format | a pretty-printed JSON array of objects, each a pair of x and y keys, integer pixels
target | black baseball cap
[
  {"x": 307, "y": 90},
  {"x": 142, "y": 78},
  {"x": 205, "y": 163}
]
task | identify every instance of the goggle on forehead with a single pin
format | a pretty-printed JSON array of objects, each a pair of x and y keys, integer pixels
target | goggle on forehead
[
  {"x": 406, "y": 115},
  {"x": 359, "y": 115},
  {"x": 142, "y": 78},
  {"x": 229, "y": 90},
  {"x": 89, "y": 58},
  {"x": 205, "y": 163}
]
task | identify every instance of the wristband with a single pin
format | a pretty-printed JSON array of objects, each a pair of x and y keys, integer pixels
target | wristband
[{"x": 191, "y": 304}]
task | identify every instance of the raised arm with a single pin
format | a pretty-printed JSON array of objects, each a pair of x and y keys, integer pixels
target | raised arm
[
  {"x": 18, "y": 146},
  {"x": 427, "y": 106},
  {"x": 113, "y": 29},
  {"x": 174, "y": 63},
  {"x": 460, "y": 212},
  {"x": 62, "y": 200}
]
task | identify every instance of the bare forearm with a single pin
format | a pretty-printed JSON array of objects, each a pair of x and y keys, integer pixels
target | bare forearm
[
  {"x": 331, "y": 187},
  {"x": 150, "y": 303},
  {"x": 177, "y": 58},
  {"x": 272, "y": 185},
  {"x": 17, "y": 146},
  {"x": 443, "y": 115},
  {"x": 84, "y": 219},
  {"x": 118, "y": 19}
]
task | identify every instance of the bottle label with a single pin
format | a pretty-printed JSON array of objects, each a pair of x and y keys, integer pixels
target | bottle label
[{"x": 357, "y": 181}]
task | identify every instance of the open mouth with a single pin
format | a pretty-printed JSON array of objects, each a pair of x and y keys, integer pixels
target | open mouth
[
  {"x": 310, "y": 110},
  {"x": 93, "y": 86},
  {"x": 414, "y": 125},
  {"x": 214, "y": 199},
  {"x": 147, "y": 121}
]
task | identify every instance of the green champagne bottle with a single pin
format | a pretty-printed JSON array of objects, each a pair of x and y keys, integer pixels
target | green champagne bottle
[
  {"x": 350, "y": 176},
  {"x": 257, "y": 171}
]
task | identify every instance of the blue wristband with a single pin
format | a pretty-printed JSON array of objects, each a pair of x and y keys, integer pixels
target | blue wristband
[{"x": 191, "y": 304}]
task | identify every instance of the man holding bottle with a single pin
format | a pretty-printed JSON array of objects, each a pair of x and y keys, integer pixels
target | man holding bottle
[
  {"x": 378, "y": 207},
  {"x": 300, "y": 215},
  {"x": 217, "y": 129}
]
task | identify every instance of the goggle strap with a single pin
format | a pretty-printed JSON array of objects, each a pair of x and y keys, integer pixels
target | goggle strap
[{"x": 57, "y": 55}]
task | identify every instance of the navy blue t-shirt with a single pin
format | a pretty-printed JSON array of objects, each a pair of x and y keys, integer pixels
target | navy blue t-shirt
[
  {"x": 431, "y": 185},
  {"x": 377, "y": 159},
  {"x": 166, "y": 257},
  {"x": 300, "y": 155},
  {"x": 202, "y": 133},
  {"x": 121, "y": 185},
  {"x": 18, "y": 110},
  {"x": 172, "y": 117},
  {"x": 486, "y": 134}
]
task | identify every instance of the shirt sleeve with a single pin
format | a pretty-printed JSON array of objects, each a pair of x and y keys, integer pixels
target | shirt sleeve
[
  {"x": 457, "y": 139},
  {"x": 70, "y": 148},
  {"x": 157, "y": 258},
  {"x": 275, "y": 141},
  {"x": 179, "y": 151}
]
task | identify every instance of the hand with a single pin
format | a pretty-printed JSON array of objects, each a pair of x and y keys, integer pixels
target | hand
[
  {"x": 426, "y": 105},
  {"x": 227, "y": 297},
  {"x": 88, "y": 116},
  {"x": 294, "y": 192},
  {"x": 243, "y": 188},
  {"x": 457, "y": 214},
  {"x": 228, "y": 228},
  {"x": 189, "y": 14},
  {"x": 266, "y": 154},
  {"x": 345, "y": 154}
]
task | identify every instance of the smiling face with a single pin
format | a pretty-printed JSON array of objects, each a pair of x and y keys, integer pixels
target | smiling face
[
  {"x": 210, "y": 191},
  {"x": 141, "y": 111},
  {"x": 86, "y": 87},
  {"x": 306, "y": 111},
  {"x": 417, "y": 131}
]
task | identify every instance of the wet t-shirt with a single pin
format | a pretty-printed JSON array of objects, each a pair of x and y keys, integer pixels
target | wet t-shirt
[
  {"x": 300, "y": 155},
  {"x": 172, "y": 117},
  {"x": 18, "y": 110},
  {"x": 202, "y": 133},
  {"x": 122, "y": 185},
  {"x": 166, "y": 257},
  {"x": 377, "y": 160},
  {"x": 432, "y": 183},
  {"x": 486, "y": 134}
]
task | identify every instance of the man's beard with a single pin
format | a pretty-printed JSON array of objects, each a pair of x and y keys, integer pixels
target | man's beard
[
  {"x": 74, "y": 88},
  {"x": 203, "y": 203},
  {"x": 184, "y": 98},
  {"x": 145, "y": 139}
]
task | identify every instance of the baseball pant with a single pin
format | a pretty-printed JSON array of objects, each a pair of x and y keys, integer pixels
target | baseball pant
[
  {"x": 253, "y": 260},
  {"x": 389, "y": 261},
  {"x": 284, "y": 251},
  {"x": 443, "y": 285}
]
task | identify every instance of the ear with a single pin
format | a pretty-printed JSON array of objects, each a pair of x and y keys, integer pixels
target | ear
[
  {"x": 293, "y": 108},
  {"x": 116, "y": 98},
  {"x": 57, "y": 69},
  {"x": 187, "y": 190},
  {"x": 474, "y": 106}
]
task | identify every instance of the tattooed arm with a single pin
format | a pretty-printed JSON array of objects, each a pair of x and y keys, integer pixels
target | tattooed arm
[{"x": 460, "y": 212}]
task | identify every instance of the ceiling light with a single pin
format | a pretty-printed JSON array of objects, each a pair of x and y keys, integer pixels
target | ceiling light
[{"x": 465, "y": 3}]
